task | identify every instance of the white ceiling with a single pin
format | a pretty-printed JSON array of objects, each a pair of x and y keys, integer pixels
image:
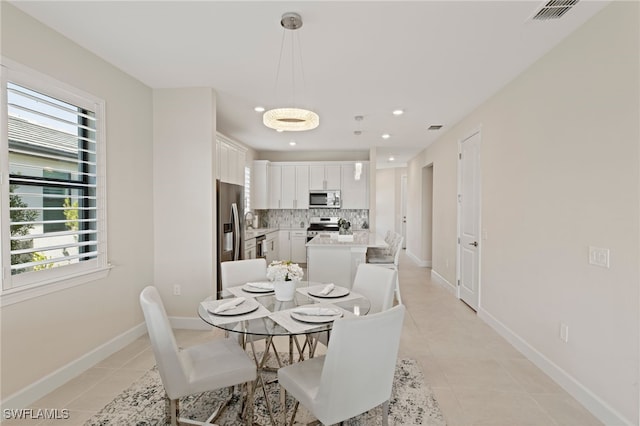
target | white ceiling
[{"x": 437, "y": 60}]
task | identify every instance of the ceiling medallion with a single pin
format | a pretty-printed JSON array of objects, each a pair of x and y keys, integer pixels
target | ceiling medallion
[{"x": 290, "y": 119}]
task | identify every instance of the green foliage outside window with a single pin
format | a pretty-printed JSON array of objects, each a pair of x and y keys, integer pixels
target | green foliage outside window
[{"x": 20, "y": 215}]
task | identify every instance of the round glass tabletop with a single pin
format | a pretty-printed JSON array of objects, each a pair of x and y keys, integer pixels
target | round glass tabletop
[{"x": 273, "y": 317}]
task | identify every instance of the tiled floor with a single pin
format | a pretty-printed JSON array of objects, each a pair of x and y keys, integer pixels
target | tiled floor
[{"x": 477, "y": 377}]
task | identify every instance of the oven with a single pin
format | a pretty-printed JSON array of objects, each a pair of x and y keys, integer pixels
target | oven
[
  {"x": 322, "y": 225},
  {"x": 261, "y": 247}
]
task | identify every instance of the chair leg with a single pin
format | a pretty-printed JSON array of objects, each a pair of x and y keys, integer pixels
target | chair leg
[
  {"x": 249, "y": 413},
  {"x": 398, "y": 297},
  {"x": 174, "y": 411},
  {"x": 385, "y": 413}
]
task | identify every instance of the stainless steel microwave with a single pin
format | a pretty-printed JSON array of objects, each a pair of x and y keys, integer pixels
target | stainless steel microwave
[{"x": 324, "y": 199}]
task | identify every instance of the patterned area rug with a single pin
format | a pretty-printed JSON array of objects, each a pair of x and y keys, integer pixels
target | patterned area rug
[{"x": 143, "y": 404}]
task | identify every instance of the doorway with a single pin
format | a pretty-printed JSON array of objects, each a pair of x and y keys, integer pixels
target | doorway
[{"x": 469, "y": 248}]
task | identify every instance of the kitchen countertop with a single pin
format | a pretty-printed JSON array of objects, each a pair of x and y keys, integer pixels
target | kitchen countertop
[
  {"x": 257, "y": 232},
  {"x": 360, "y": 239}
]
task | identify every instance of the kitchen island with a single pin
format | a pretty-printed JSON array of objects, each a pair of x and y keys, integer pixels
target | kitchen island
[{"x": 330, "y": 259}]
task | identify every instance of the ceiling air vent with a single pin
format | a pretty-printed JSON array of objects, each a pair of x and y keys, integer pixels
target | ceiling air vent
[
  {"x": 554, "y": 9},
  {"x": 435, "y": 127}
]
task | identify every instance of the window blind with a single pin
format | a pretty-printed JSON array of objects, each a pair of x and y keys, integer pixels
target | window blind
[{"x": 52, "y": 181}]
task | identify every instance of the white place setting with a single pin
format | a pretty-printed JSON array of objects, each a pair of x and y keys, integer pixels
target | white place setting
[{"x": 226, "y": 311}]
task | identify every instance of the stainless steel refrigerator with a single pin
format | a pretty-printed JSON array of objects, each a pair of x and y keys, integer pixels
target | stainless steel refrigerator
[{"x": 230, "y": 202}]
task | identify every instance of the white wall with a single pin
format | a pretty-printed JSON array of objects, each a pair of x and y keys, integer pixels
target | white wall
[
  {"x": 184, "y": 196},
  {"x": 385, "y": 200},
  {"x": 44, "y": 334},
  {"x": 559, "y": 172}
]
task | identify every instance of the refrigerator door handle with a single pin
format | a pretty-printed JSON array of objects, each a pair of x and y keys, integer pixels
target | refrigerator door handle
[{"x": 236, "y": 230}]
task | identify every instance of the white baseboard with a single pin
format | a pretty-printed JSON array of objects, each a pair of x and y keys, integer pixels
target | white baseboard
[
  {"x": 33, "y": 392},
  {"x": 603, "y": 411},
  {"x": 442, "y": 281},
  {"x": 418, "y": 261}
]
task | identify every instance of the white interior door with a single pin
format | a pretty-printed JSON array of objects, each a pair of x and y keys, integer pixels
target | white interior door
[
  {"x": 403, "y": 209},
  {"x": 469, "y": 221}
]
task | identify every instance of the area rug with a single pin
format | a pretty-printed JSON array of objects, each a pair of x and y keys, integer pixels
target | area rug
[{"x": 143, "y": 404}]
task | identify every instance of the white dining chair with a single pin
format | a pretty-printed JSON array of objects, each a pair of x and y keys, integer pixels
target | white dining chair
[
  {"x": 391, "y": 261},
  {"x": 239, "y": 272},
  {"x": 355, "y": 375},
  {"x": 205, "y": 367},
  {"x": 377, "y": 284}
]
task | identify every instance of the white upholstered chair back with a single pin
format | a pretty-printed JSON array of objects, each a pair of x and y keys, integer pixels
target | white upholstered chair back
[
  {"x": 234, "y": 273},
  {"x": 359, "y": 365},
  {"x": 170, "y": 364},
  {"x": 376, "y": 283}
]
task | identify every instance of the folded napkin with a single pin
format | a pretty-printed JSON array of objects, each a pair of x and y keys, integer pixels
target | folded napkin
[
  {"x": 312, "y": 311},
  {"x": 328, "y": 289},
  {"x": 261, "y": 286},
  {"x": 229, "y": 305}
]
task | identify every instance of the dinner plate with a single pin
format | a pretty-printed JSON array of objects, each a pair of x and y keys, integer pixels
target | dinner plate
[
  {"x": 315, "y": 319},
  {"x": 337, "y": 292},
  {"x": 251, "y": 289},
  {"x": 248, "y": 306}
]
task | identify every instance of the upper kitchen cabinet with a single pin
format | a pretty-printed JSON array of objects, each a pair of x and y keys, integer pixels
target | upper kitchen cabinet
[
  {"x": 260, "y": 185},
  {"x": 355, "y": 185},
  {"x": 324, "y": 176},
  {"x": 295, "y": 187},
  {"x": 288, "y": 186},
  {"x": 230, "y": 158}
]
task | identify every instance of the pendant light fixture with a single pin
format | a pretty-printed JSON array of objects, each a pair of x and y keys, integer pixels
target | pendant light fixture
[{"x": 291, "y": 119}]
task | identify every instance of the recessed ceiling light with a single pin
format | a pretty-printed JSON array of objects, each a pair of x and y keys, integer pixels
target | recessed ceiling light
[
  {"x": 391, "y": 158},
  {"x": 398, "y": 111},
  {"x": 386, "y": 136},
  {"x": 259, "y": 109},
  {"x": 292, "y": 143}
]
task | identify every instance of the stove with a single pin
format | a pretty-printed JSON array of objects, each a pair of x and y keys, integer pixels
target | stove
[{"x": 322, "y": 225}]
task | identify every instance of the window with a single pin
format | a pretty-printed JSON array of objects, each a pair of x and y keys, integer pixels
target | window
[{"x": 53, "y": 151}]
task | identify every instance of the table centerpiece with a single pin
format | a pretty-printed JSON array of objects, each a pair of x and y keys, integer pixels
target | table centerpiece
[{"x": 284, "y": 275}]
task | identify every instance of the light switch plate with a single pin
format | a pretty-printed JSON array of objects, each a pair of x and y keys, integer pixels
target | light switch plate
[{"x": 599, "y": 256}]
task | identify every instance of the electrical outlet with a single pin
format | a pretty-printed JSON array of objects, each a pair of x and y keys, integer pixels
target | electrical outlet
[
  {"x": 599, "y": 256},
  {"x": 564, "y": 332},
  {"x": 177, "y": 290}
]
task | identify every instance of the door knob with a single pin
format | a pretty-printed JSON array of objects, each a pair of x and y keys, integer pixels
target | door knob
[{"x": 475, "y": 244}]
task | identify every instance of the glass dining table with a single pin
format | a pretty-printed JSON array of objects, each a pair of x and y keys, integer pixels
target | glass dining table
[{"x": 258, "y": 315}]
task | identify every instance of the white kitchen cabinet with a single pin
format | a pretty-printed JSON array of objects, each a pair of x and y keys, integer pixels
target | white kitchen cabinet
[
  {"x": 275, "y": 186},
  {"x": 355, "y": 192},
  {"x": 230, "y": 159},
  {"x": 260, "y": 185},
  {"x": 250, "y": 248},
  {"x": 272, "y": 244},
  {"x": 298, "y": 246},
  {"x": 284, "y": 245},
  {"x": 288, "y": 186},
  {"x": 295, "y": 186},
  {"x": 293, "y": 246},
  {"x": 324, "y": 176}
]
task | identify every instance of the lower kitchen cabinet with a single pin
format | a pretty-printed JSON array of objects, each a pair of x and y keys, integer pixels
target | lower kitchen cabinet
[
  {"x": 250, "y": 248},
  {"x": 293, "y": 246},
  {"x": 273, "y": 247}
]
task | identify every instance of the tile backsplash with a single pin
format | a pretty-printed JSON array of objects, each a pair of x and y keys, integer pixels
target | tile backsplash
[{"x": 300, "y": 218}]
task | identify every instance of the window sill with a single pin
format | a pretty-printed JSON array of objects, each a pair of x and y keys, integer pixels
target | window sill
[{"x": 21, "y": 294}]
